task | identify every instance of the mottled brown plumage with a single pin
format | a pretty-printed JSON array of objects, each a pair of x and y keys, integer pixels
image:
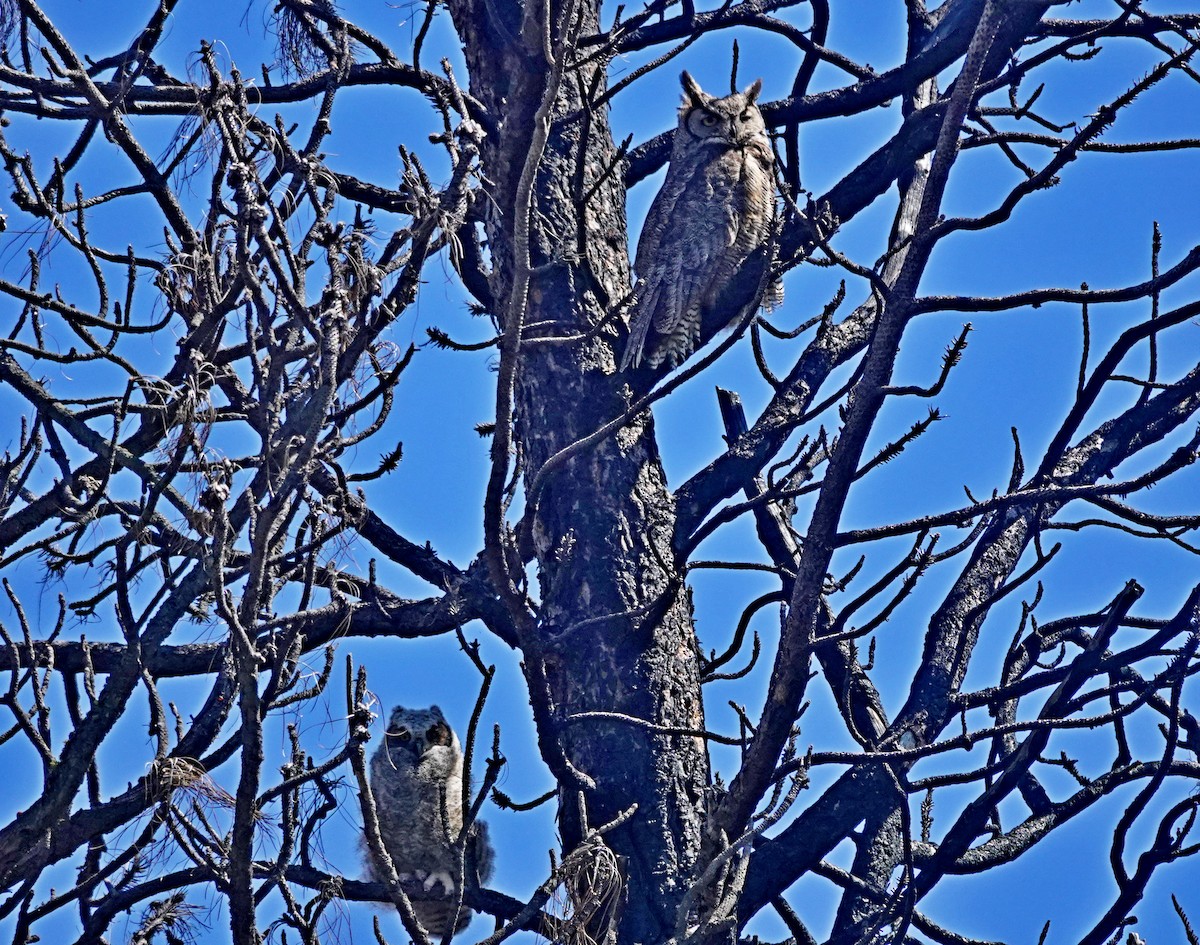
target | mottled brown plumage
[
  {"x": 714, "y": 211},
  {"x": 416, "y": 778}
]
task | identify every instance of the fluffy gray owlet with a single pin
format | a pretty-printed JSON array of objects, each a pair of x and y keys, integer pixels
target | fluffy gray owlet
[
  {"x": 701, "y": 257},
  {"x": 415, "y": 771}
]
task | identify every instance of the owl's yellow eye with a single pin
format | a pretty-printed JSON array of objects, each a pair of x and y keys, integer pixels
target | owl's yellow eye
[
  {"x": 709, "y": 119},
  {"x": 746, "y": 116}
]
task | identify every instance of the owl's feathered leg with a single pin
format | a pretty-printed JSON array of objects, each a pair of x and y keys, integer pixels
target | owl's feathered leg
[{"x": 674, "y": 347}]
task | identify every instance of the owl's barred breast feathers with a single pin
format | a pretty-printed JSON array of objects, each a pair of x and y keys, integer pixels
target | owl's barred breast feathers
[
  {"x": 416, "y": 779},
  {"x": 712, "y": 216}
]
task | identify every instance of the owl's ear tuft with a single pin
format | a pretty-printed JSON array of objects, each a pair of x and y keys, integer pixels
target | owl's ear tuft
[
  {"x": 691, "y": 89},
  {"x": 753, "y": 90}
]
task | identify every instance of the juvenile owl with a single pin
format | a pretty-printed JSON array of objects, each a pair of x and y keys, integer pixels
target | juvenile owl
[
  {"x": 701, "y": 257},
  {"x": 416, "y": 777}
]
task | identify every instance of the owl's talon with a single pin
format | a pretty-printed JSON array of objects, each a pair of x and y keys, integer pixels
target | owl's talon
[{"x": 442, "y": 877}]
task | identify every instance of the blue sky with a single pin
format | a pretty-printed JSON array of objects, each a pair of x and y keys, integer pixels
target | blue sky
[{"x": 1020, "y": 366}]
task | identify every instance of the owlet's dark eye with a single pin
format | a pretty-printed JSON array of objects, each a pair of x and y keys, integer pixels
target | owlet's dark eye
[{"x": 746, "y": 116}]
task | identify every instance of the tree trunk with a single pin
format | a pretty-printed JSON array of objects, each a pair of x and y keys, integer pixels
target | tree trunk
[{"x": 614, "y": 629}]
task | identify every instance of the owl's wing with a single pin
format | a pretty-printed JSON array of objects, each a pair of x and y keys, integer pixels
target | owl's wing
[
  {"x": 686, "y": 232},
  {"x": 480, "y": 843}
]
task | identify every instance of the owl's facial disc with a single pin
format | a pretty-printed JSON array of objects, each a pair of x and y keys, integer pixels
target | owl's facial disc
[
  {"x": 400, "y": 737},
  {"x": 438, "y": 734},
  {"x": 744, "y": 126},
  {"x": 709, "y": 127}
]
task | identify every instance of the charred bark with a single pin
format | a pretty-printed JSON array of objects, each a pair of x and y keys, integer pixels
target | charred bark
[{"x": 613, "y": 633}]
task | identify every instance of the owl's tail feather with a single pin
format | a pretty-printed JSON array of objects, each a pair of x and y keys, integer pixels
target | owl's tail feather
[
  {"x": 773, "y": 296},
  {"x": 645, "y": 299},
  {"x": 436, "y": 917}
]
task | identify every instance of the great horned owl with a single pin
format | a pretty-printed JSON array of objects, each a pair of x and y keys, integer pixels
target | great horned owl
[
  {"x": 416, "y": 777},
  {"x": 714, "y": 212}
]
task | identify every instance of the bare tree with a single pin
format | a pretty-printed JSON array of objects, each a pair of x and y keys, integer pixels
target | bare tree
[{"x": 222, "y": 369}]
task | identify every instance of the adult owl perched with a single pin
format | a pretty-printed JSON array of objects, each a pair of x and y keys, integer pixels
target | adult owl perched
[
  {"x": 416, "y": 777},
  {"x": 714, "y": 212}
]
